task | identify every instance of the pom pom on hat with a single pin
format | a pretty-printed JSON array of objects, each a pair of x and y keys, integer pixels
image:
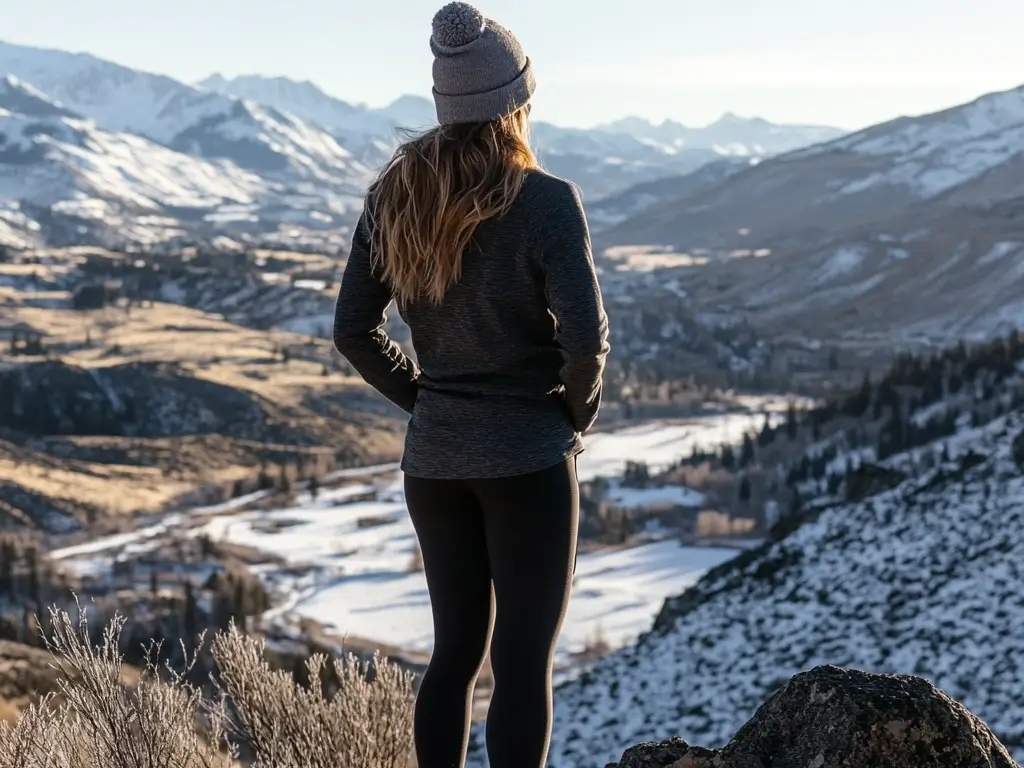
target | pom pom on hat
[
  {"x": 480, "y": 70},
  {"x": 458, "y": 24}
]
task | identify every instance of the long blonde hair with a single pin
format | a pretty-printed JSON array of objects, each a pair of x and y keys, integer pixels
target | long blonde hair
[{"x": 427, "y": 202}]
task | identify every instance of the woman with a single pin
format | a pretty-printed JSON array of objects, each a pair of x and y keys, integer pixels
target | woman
[{"x": 489, "y": 261}]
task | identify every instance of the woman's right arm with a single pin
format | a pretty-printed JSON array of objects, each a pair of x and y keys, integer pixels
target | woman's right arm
[{"x": 574, "y": 296}]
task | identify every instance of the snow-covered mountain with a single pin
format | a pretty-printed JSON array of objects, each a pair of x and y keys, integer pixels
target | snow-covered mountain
[
  {"x": 963, "y": 155},
  {"x": 908, "y": 228},
  {"x": 309, "y": 102},
  {"x": 729, "y": 135},
  {"x": 602, "y": 160},
  {"x": 48, "y": 152},
  {"x": 195, "y": 121},
  {"x": 20, "y": 98},
  {"x": 370, "y": 134},
  {"x": 51, "y": 159},
  {"x": 92, "y": 140},
  {"x": 308, "y": 154},
  {"x": 314, "y": 155},
  {"x": 921, "y": 579}
]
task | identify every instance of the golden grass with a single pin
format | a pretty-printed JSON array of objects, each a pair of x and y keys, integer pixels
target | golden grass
[
  {"x": 161, "y": 718},
  {"x": 155, "y": 473},
  {"x": 119, "y": 489}
]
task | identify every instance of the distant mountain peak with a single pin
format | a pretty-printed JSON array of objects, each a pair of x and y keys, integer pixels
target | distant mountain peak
[
  {"x": 19, "y": 97},
  {"x": 214, "y": 82},
  {"x": 731, "y": 118},
  {"x": 730, "y": 134}
]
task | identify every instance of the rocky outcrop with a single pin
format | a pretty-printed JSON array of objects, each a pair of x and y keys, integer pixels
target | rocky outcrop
[{"x": 843, "y": 718}]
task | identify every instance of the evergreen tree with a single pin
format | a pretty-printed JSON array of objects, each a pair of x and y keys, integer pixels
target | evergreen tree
[
  {"x": 728, "y": 458},
  {"x": 32, "y": 571},
  {"x": 696, "y": 456},
  {"x": 206, "y": 546},
  {"x": 314, "y": 487},
  {"x": 7, "y": 557},
  {"x": 744, "y": 490},
  {"x": 636, "y": 474},
  {"x": 284, "y": 480},
  {"x": 791, "y": 422},
  {"x": 805, "y": 468},
  {"x": 264, "y": 481},
  {"x": 862, "y": 400},
  {"x": 835, "y": 481},
  {"x": 746, "y": 451}
]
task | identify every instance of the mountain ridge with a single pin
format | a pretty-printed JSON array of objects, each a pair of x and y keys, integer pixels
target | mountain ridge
[
  {"x": 312, "y": 155},
  {"x": 603, "y": 160},
  {"x": 316, "y": 154}
]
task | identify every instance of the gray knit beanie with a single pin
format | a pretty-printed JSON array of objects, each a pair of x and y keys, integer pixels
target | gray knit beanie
[{"x": 480, "y": 70}]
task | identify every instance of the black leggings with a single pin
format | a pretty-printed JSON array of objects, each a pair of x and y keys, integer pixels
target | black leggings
[{"x": 517, "y": 536}]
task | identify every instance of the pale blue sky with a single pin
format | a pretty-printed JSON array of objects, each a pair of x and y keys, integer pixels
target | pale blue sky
[{"x": 843, "y": 62}]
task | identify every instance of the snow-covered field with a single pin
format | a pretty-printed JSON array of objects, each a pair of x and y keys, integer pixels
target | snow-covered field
[
  {"x": 347, "y": 554},
  {"x": 659, "y": 444},
  {"x": 354, "y": 557},
  {"x": 355, "y": 578}
]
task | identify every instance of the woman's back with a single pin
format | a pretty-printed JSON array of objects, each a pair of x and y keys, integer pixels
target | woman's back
[{"x": 492, "y": 394}]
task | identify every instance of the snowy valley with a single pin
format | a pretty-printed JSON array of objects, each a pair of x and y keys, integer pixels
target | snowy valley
[
  {"x": 344, "y": 556},
  {"x": 811, "y": 444}
]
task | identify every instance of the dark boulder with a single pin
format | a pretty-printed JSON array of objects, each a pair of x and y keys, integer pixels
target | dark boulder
[
  {"x": 844, "y": 718},
  {"x": 653, "y": 754}
]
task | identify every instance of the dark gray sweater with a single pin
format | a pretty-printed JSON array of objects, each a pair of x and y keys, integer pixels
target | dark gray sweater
[{"x": 510, "y": 362}]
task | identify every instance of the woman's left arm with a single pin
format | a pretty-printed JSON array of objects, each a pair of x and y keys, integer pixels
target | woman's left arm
[{"x": 359, "y": 321}]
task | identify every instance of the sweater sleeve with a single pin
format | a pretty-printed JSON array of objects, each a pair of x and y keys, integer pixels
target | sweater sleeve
[
  {"x": 574, "y": 296},
  {"x": 359, "y": 322}
]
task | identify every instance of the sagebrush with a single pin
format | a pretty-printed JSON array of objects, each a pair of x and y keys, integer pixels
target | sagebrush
[{"x": 165, "y": 721}]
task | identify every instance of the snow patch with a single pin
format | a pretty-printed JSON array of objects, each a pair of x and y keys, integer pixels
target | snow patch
[{"x": 844, "y": 261}]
